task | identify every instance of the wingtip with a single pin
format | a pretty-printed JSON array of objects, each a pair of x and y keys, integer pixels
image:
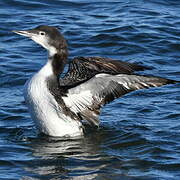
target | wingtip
[
  {"x": 139, "y": 67},
  {"x": 169, "y": 81}
]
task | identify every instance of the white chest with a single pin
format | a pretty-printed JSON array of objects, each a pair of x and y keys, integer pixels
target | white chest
[{"x": 45, "y": 111}]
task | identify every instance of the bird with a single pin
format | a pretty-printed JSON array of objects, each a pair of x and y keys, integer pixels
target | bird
[{"x": 62, "y": 105}]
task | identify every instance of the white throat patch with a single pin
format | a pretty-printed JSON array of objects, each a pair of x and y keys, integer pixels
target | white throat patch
[{"x": 43, "y": 41}]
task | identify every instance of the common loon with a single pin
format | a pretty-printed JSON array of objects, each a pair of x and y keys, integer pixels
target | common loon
[{"x": 60, "y": 106}]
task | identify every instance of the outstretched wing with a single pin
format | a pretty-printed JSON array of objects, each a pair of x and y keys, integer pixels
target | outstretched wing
[
  {"x": 82, "y": 69},
  {"x": 86, "y": 99}
]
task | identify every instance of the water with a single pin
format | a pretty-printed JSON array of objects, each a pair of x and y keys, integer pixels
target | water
[{"x": 139, "y": 135}]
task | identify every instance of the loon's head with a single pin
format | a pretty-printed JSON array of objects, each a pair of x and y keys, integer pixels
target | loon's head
[{"x": 47, "y": 36}]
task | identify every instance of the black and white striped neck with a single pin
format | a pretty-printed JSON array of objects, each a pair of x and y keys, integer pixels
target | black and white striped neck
[
  {"x": 58, "y": 62},
  {"x": 55, "y": 64}
]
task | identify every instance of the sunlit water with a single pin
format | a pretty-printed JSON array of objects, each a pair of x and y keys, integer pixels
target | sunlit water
[{"x": 139, "y": 137}]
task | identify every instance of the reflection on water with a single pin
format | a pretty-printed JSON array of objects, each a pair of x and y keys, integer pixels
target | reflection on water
[
  {"x": 76, "y": 158},
  {"x": 139, "y": 137}
]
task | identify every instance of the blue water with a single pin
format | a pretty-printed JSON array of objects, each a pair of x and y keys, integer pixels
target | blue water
[{"x": 139, "y": 135}]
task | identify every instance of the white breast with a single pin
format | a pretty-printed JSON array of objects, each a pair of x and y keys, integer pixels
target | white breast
[{"x": 44, "y": 109}]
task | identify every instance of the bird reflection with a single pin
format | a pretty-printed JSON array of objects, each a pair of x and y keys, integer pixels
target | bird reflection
[{"x": 78, "y": 158}]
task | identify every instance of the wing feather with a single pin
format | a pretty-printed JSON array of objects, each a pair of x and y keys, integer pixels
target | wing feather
[
  {"x": 82, "y": 69},
  {"x": 87, "y": 99}
]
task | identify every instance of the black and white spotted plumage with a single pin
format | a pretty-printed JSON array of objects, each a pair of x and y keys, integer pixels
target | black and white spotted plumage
[
  {"x": 82, "y": 69},
  {"x": 60, "y": 105}
]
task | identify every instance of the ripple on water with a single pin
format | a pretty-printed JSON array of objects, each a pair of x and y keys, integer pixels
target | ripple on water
[{"x": 139, "y": 134}]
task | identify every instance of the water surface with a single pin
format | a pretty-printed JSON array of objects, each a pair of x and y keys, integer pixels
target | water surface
[{"x": 139, "y": 135}]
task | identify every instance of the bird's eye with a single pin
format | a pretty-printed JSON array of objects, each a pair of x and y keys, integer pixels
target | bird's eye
[{"x": 42, "y": 33}]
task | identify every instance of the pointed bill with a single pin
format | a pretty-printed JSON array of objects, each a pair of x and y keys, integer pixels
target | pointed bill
[
  {"x": 27, "y": 33},
  {"x": 24, "y": 33}
]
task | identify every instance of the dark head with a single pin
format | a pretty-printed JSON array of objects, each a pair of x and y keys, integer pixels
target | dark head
[
  {"x": 51, "y": 39},
  {"x": 47, "y": 36}
]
